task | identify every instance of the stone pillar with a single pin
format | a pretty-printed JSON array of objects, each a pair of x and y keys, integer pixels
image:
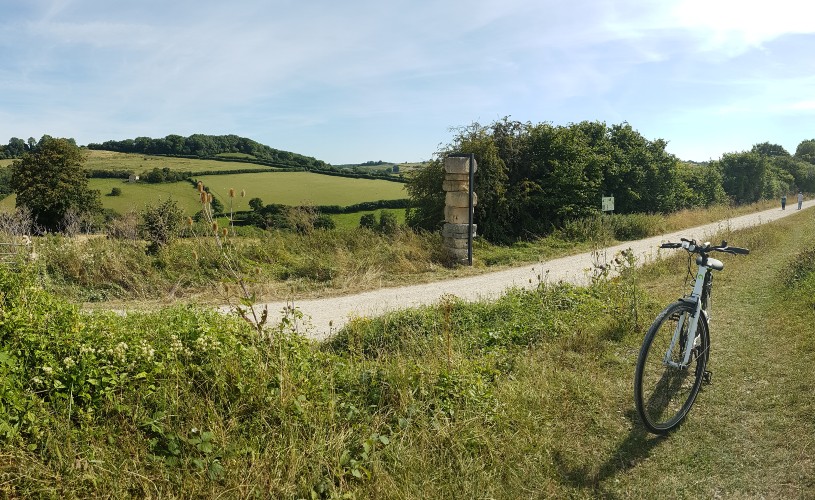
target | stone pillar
[{"x": 457, "y": 206}]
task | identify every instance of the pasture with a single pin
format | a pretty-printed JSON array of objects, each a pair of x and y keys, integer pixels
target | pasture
[
  {"x": 137, "y": 195},
  {"x": 300, "y": 188},
  {"x": 110, "y": 160}
]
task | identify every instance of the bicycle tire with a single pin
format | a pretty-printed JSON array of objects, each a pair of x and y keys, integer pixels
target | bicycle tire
[{"x": 663, "y": 394}]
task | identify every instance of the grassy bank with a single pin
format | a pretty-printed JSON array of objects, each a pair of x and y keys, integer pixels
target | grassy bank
[
  {"x": 282, "y": 265},
  {"x": 526, "y": 396}
]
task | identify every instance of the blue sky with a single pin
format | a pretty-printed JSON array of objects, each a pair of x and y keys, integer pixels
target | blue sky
[{"x": 363, "y": 80}]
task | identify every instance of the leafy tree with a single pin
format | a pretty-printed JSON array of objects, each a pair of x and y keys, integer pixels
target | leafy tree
[
  {"x": 699, "y": 186},
  {"x": 425, "y": 189},
  {"x": 744, "y": 176},
  {"x": 767, "y": 149},
  {"x": 49, "y": 180},
  {"x": 16, "y": 148},
  {"x": 806, "y": 151},
  {"x": 256, "y": 204}
]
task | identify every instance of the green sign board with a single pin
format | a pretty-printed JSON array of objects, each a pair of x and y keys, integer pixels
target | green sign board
[{"x": 608, "y": 204}]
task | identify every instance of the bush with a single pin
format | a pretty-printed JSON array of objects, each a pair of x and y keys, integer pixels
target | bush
[
  {"x": 160, "y": 223},
  {"x": 116, "y": 192},
  {"x": 367, "y": 221},
  {"x": 387, "y": 223}
]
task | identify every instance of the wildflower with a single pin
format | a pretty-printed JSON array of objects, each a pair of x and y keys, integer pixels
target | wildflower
[
  {"x": 69, "y": 362},
  {"x": 231, "y": 193},
  {"x": 203, "y": 197},
  {"x": 47, "y": 370},
  {"x": 243, "y": 193},
  {"x": 189, "y": 221},
  {"x": 215, "y": 227},
  {"x": 86, "y": 350},
  {"x": 200, "y": 187},
  {"x": 120, "y": 352}
]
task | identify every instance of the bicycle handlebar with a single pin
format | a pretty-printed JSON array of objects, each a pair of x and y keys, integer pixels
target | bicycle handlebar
[{"x": 693, "y": 247}]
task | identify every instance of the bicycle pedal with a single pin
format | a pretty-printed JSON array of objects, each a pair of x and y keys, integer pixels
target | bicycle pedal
[{"x": 707, "y": 376}]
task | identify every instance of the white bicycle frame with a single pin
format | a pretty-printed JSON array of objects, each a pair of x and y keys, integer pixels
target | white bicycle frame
[{"x": 696, "y": 297}]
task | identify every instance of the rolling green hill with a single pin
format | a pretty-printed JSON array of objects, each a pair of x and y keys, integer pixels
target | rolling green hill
[{"x": 139, "y": 164}]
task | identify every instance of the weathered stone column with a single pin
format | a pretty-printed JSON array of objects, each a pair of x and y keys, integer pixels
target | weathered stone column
[{"x": 457, "y": 206}]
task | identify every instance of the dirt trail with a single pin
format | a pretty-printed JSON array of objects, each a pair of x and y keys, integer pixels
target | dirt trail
[{"x": 322, "y": 317}]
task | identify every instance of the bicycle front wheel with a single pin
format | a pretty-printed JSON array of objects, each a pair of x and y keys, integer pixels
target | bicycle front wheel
[{"x": 664, "y": 391}]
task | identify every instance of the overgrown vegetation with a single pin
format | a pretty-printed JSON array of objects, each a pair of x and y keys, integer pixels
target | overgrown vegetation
[{"x": 527, "y": 395}]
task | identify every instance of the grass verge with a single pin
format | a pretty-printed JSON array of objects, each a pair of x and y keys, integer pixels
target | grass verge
[{"x": 525, "y": 396}]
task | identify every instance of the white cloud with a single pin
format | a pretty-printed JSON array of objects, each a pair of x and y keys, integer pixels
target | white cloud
[{"x": 738, "y": 25}]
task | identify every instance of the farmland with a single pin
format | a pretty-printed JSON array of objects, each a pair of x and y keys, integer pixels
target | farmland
[
  {"x": 279, "y": 187},
  {"x": 139, "y": 164},
  {"x": 300, "y": 188}
]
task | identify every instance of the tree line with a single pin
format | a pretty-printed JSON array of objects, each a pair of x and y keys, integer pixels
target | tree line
[
  {"x": 205, "y": 146},
  {"x": 533, "y": 178}
]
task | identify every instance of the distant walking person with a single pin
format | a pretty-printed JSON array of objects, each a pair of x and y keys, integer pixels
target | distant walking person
[
  {"x": 800, "y": 199},
  {"x": 783, "y": 202}
]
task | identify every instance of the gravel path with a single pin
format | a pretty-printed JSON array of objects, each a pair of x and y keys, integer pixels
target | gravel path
[{"x": 322, "y": 317}]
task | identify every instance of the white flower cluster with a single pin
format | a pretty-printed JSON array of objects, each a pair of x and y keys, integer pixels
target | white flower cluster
[
  {"x": 146, "y": 350},
  {"x": 69, "y": 362},
  {"x": 85, "y": 350},
  {"x": 206, "y": 343},
  {"x": 177, "y": 347},
  {"x": 119, "y": 353}
]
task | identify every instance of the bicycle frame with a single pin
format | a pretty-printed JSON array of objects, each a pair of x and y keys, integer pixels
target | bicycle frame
[{"x": 697, "y": 297}]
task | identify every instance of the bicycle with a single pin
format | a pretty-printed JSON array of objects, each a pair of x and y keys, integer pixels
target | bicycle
[{"x": 672, "y": 362}]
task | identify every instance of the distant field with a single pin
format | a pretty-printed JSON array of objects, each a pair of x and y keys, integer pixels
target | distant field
[
  {"x": 300, "y": 188},
  {"x": 288, "y": 188},
  {"x": 109, "y": 160},
  {"x": 5, "y": 163},
  {"x": 134, "y": 196},
  {"x": 138, "y": 195}
]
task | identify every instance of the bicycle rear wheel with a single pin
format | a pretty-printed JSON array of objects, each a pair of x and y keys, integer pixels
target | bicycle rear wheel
[{"x": 663, "y": 393}]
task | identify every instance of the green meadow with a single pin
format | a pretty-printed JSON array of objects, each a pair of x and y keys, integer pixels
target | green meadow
[
  {"x": 110, "y": 160},
  {"x": 137, "y": 195},
  {"x": 287, "y": 188},
  {"x": 300, "y": 188}
]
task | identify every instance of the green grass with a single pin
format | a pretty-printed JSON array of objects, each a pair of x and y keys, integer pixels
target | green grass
[
  {"x": 5, "y": 163},
  {"x": 137, "y": 195},
  {"x": 526, "y": 396},
  {"x": 301, "y": 188},
  {"x": 110, "y": 160}
]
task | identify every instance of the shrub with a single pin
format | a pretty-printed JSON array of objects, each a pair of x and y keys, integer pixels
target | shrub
[
  {"x": 367, "y": 221},
  {"x": 387, "y": 223},
  {"x": 160, "y": 223}
]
